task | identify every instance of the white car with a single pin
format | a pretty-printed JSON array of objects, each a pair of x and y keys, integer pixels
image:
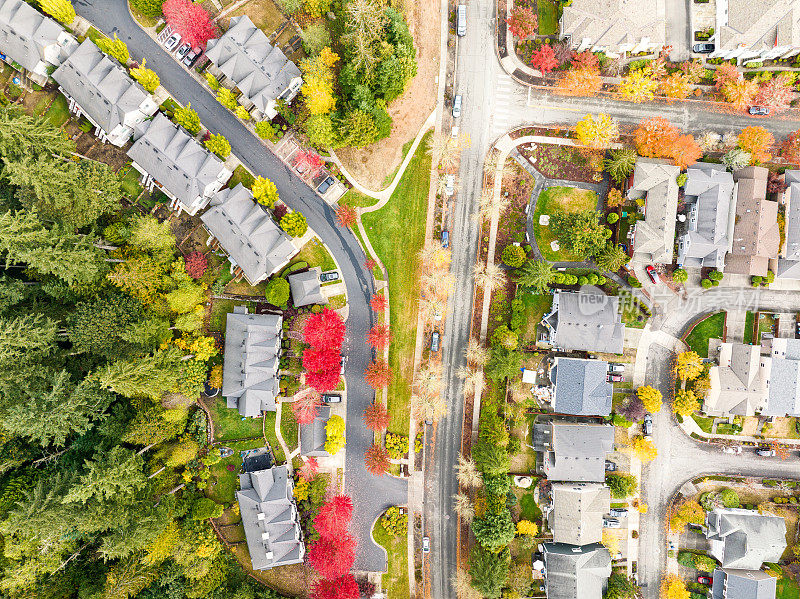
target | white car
[
  {"x": 734, "y": 449},
  {"x": 172, "y": 42},
  {"x": 426, "y": 545}
]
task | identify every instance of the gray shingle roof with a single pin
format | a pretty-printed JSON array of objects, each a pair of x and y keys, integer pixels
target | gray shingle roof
[
  {"x": 737, "y": 384},
  {"x": 784, "y": 380},
  {"x": 743, "y": 584},
  {"x": 756, "y": 238},
  {"x": 577, "y": 514},
  {"x": 581, "y": 387},
  {"x": 576, "y": 572},
  {"x": 174, "y": 159},
  {"x": 247, "y": 233},
  {"x": 312, "y": 435},
  {"x": 252, "y": 361},
  {"x": 573, "y": 452},
  {"x": 789, "y": 264},
  {"x": 745, "y": 539},
  {"x": 306, "y": 288},
  {"x": 709, "y": 192},
  {"x": 100, "y": 86},
  {"x": 270, "y": 519},
  {"x": 586, "y": 321},
  {"x": 28, "y": 37},
  {"x": 655, "y": 181},
  {"x": 759, "y": 24},
  {"x": 610, "y": 23},
  {"x": 260, "y": 71}
]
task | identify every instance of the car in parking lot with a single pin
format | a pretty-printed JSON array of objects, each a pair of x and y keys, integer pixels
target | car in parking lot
[
  {"x": 344, "y": 363},
  {"x": 329, "y": 398},
  {"x": 613, "y": 378},
  {"x": 704, "y": 48},
  {"x": 325, "y": 185},
  {"x": 426, "y": 545},
  {"x": 183, "y": 51},
  {"x": 647, "y": 426},
  {"x": 172, "y": 41},
  {"x": 610, "y": 466},
  {"x": 618, "y": 512},
  {"x": 611, "y": 523},
  {"x": 331, "y": 275},
  {"x": 651, "y": 272},
  {"x": 445, "y": 239},
  {"x": 435, "y": 340},
  {"x": 704, "y": 580},
  {"x": 192, "y": 56},
  {"x": 765, "y": 452},
  {"x": 457, "y": 106},
  {"x": 759, "y": 110}
]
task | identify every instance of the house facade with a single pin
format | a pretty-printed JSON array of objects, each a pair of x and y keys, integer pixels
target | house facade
[{"x": 756, "y": 29}]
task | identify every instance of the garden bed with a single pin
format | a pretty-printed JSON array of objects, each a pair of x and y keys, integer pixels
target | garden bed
[{"x": 559, "y": 162}]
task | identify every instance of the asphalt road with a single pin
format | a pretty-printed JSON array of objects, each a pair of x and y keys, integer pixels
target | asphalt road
[{"x": 371, "y": 495}]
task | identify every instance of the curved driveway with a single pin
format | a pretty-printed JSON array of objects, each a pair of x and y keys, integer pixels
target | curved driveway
[{"x": 371, "y": 495}]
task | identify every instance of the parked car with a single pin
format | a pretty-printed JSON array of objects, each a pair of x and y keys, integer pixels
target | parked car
[
  {"x": 647, "y": 426},
  {"x": 435, "y": 339},
  {"x": 426, "y": 545},
  {"x": 344, "y": 363},
  {"x": 734, "y": 449},
  {"x": 331, "y": 275},
  {"x": 449, "y": 185},
  {"x": 613, "y": 378},
  {"x": 618, "y": 512},
  {"x": 457, "y": 106},
  {"x": 705, "y": 48},
  {"x": 329, "y": 398},
  {"x": 445, "y": 239},
  {"x": 172, "y": 41},
  {"x": 461, "y": 20},
  {"x": 454, "y": 131},
  {"x": 704, "y": 580},
  {"x": 765, "y": 452},
  {"x": 611, "y": 523},
  {"x": 617, "y": 368},
  {"x": 192, "y": 56},
  {"x": 759, "y": 110},
  {"x": 325, "y": 185},
  {"x": 651, "y": 272},
  {"x": 610, "y": 466},
  {"x": 183, "y": 51}
]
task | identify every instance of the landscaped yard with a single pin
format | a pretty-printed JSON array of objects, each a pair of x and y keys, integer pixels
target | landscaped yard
[
  {"x": 749, "y": 321},
  {"x": 766, "y": 324},
  {"x": 219, "y": 310},
  {"x": 58, "y": 113},
  {"x": 548, "y": 17},
  {"x": 229, "y": 425},
  {"x": 708, "y": 328},
  {"x": 395, "y": 581},
  {"x": 397, "y": 232},
  {"x": 552, "y": 201},
  {"x": 241, "y": 175},
  {"x": 315, "y": 254},
  {"x": 130, "y": 183},
  {"x": 787, "y": 589},
  {"x": 536, "y": 306},
  {"x": 703, "y": 422}
]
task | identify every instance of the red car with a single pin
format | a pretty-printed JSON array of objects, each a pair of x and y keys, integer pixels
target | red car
[
  {"x": 651, "y": 272},
  {"x": 704, "y": 580}
]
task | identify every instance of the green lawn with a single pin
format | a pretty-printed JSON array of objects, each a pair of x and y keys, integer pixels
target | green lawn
[
  {"x": 395, "y": 581},
  {"x": 289, "y": 427},
  {"x": 269, "y": 431},
  {"x": 229, "y": 426},
  {"x": 530, "y": 510},
  {"x": 548, "y": 17},
  {"x": 224, "y": 483},
  {"x": 552, "y": 201},
  {"x": 766, "y": 324},
  {"x": 95, "y": 34},
  {"x": 749, "y": 320},
  {"x": 58, "y": 113},
  {"x": 357, "y": 199},
  {"x": 703, "y": 423},
  {"x": 241, "y": 175},
  {"x": 315, "y": 254},
  {"x": 536, "y": 306},
  {"x": 219, "y": 310},
  {"x": 397, "y": 233},
  {"x": 787, "y": 589},
  {"x": 708, "y": 328},
  {"x": 130, "y": 183}
]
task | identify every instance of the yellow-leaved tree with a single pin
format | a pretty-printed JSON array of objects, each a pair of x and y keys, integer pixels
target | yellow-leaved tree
[
  {"x": 597, "y": 132},
  {"x": 526, "y": 527},
  {"x": 644, "y": 449},
  {"x": 639, "y": 86},
  {"x": 318, "y": 86},
  {"x": 689, "y": 512},
  {"x": 689, "y": 365},
  {"x": 265, "y": 192},
  {"x": 674, "y": 588},
  {"x": 685, "y": 403},
  {"x": 146, "y": 77},
  {"x": 60, "y": 10},
  {"x": 650, "y": 397}
]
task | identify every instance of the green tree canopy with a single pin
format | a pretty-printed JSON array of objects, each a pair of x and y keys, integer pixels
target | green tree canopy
[
  {"x": 580, "y": 232},
  {"x": 536, "y": 275},
  {"x": 22, "y": 135},
  {"x": 489, "y": 571}
]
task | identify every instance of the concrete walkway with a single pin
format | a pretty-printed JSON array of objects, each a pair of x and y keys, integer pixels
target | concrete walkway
[{"x": 690, "y": 427}]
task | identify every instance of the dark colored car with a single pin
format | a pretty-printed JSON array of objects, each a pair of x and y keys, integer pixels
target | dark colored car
[
  {"x": 704, "y": 580},
  {"x": 614, "y": 378},
  {"x": 651, "y": 272},
  {"x": 326, "y": 185},
  {"x": 435, "y": 339},
  {"x": 446, "y": 244},
  {"x": 610, "y": 466},
  {"x": 192, "y": 56},
  {"x": 183, "y": 51},
  {"x": 331, "y": 275},
  {"x": 758, "y": 110},
  {"x": 647, "y": 426},
  {"x": 329, "y": 398},
  {"x": 705, "y": 48}
]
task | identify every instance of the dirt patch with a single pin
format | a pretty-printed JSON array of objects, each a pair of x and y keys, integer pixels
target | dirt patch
[
  {"x": 371, "y": 165},
  {"x": 264, "y": 14}
]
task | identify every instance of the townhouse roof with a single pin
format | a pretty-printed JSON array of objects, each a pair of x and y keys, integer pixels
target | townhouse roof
[
  {"x": 25, "y": 33},
  {"x": 577, "y": 514},
  {"x": 788, "y": 265},
  {"x": 574, "y": 452},
  {"x": 575, "y": 572},
  {"x": 306, "y": 287},
  {"x": 588, "y": 321},
  {"x": 729, "y": 583},
  {"x": 614, "y": 23},
  {"x": 745, "y": 539},
  {"x": 759, "y": 24},
  {"x": 581, "y": 387},
  {"x": 247, "y": 233},
  {"x": 784, "y": 384},
  {"x": 313, "y": 435},
  {"x": 738, "y": 385},
  {"x": 656, "y": 182}
]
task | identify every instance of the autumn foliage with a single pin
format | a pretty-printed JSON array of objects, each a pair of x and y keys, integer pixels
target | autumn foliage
[
  {"x": 324, "y": 332},
  {"x": 544, "y": 59},
  {"x": 332, "y": 557},
  {"x": 522, "y": 21},
  {"x": 325, "y": 329},
  {"x": 305, "y": 406},
  {"x": 378, "y": 303},
  {"x": 196, "y": 264},
  {"x": 378, "y": 374},
  {"x": 757, "y": 141},
  {"x": 776, "y": 92},
  {"x": 376, "y": 459},
  {"x": 379, "y": 337},
  {"x": 334, "y": 516},
  {"x": 190, "y": 20},
  {"x": 580, "y": 82},
  {"x": 376, "y": 417},
  {"x": 309, "y": 469},
  {"x": 791, "y": 148},
  {"x": 657, "y": 137},
  {"x": 346, "y": 215},
  {"x": 320, "y": 358},
  {"x": 344, "y": 587}
]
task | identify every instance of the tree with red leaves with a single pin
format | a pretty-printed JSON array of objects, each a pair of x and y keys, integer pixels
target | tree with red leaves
[
  {"x": 344, "y": 587},
  {"x": 378, "y": 374},
  {"x": 325, "y": 330},
  {"x": 370, "y": 264},
  {"x": 309, "y": 469},
  {"x": 522, "y": 21},
  {"x": 376, "y": 417},
  {"x": 333, "y": 557},
  {"x": 377, "y": 460},
  {"x": 346, "y": 215},
  {"x": 776, "y": 93},
  {"x": 305, "y": 405},
  {"x": 321, "y": 358},
  {"x": 190, "y": 20},
  {"x": 724, "y": 73},
  {"x": 378, "y": 303},
  {"x": 543, "y": 59},
  {"x": 585, "y": 60},
  {"x": 310, "y": 160},
  {"x": 323, "y": 380},
  {"x": 776, "y": 183},
  {"x": 379, "y": 337},
  {"x": 196, "y": 264},
  {"x": 791, "y": 148},
  {"x": 334, "y": 517}
]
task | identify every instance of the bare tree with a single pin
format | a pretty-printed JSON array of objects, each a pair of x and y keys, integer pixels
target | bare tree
[
  {"x": 432, "y": 307},
  {"x": 364, "y": 23},
  {"x": 463, "y": 507},
  {"x": 473, "y": 379},
  {"x": 462, "y": 583},
  {"x": 467, "y": 473},
  {"x": 476, "y": 353},
  {"x": 428, "y": 379},
  {"x": 489, "y": 276},
  {"x": 428, "y": 407},
  {"x": 433, "y": 255}
]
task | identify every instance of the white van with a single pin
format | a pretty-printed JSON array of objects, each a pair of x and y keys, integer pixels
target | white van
[{"x": 461, "y": 20}]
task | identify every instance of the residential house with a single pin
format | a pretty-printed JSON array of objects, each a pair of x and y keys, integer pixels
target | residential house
[
  {"x": 580, "y": 387},
  {"x": 243, "y": 58},
  {"x": 744, "y": 539},
  {"x": 756, "y": 238},
  {"x": 313, "y": 435},
  {"x": 574, "y": 572},
  {"x": 738, "y": 382},
  {"x": 32, "y": 42},
  {"x": 573, "y": 452},
  {"x": 306, "y": 287},
  {"x": 783, "y": 397},
  {"x": 585, "y": 321},
  {"x": 710, "y": 193},
  {"x": 174, "y": 162},
  {"x": 576, "y": 516},
  {"x": 615, "y": 26},
  {"x": 99, "y": 88},
  {"x": 743, "y": 584},
  {"x": 756, "y": 30},
  {"x": 655, "y": 182},
  {"x": 788, "y": 263},
  {"x": 252, "y": 361},
  {"x": 256, "y": 245},
  {"x": 270, "y": 518}
]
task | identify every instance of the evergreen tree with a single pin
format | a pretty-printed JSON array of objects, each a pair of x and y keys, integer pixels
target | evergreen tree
[
  {"x": 28, "y": 336},
  {"x": 99, "y": 326},
  {"x": 112, "y": 476},
  {"x": 23, "y": 135},
  {"x": 536, "y": 274},
  {"x": 150, "y": 376},
  {"x": 489, "y": 571}
]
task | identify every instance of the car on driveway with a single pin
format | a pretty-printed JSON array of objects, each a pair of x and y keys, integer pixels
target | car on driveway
[
  {"x": 647, "y": 426},
  {"x": 765, "y": 452},
  {"x": 616, "y": 368},
  {"x": 611, "y": 523},
  {"x": 704, "y": 580},
  {"x": 426, "y": 545},
  {"x": 329, "y": 398},
  {"x": 325, "y": 185},
  {"x": 614, "y": 378},
  {"x": 457, "y": 106},
  {"x": 192, "y": 56},
  {"x": 172, "y": 42},
  {"x": 651, "y": 272},
  {"x": 610, "y": 466},
  {"x": 331, "y": 275},
  {"x": 183, "y": 51},
  {"x": 759, "y": 110},
  {"x": 705, "y": 48},
  {"x": 618, "y": 512}
]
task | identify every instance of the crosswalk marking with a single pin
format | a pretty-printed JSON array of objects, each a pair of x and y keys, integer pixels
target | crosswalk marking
[{"x": 503, "y": 112}]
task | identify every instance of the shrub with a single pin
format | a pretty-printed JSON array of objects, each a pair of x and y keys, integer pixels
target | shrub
[
  {"x": 294, "y": 223},
  {"x": 612, "y": 218},
  {"x": 707, "y": 283},
  {"x": 277, "y": 292},
  {"x": 514, "y": 256},
  {"x": 396, "y": 445},
  {"x": 265, "y": 130},
  {"x": 394, "y": 522}
]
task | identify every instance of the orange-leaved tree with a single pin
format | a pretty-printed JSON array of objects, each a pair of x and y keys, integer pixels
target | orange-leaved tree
[
  {"x": 739, "y": 92},
  {"x": 676, "y": 86},
  {"x": 791, "y": 148},
  {"x": 685, "y": 151},
  {"x": 580, "y": 82},
  {"x": 522, "y": 21},
  {"x": 724, "y": 73},
  {"x": 757, "y": 141},
  {"x": 776, "y": 92},
  {"x": 655, "y": 136},
  {"x": 376, "y": 417}
]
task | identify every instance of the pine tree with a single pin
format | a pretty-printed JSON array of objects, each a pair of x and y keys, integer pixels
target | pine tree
[
  {"x": 24, "y": 135},
  {"x": 29, "y": 335},
  {"x": 611, "y": 258},
  {"x": 111, "y": 476},
  {"x": 536, "y": 275},
  {"x": 150, "y": 376},
  {"x": 620, "y": 164}
]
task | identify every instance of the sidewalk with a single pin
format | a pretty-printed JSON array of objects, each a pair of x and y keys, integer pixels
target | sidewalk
[{"x": 691, "y": 428}]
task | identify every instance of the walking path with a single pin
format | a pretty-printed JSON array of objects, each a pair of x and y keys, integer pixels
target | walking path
[{"x": 691, "y": 428}]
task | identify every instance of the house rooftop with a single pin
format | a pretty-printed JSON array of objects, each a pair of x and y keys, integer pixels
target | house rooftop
[
  {"x": 788, "y": 266},
  {"x": 738, "y": 381},
  {"x": 743, "y": 584},
  {"x": 655, "y": 181},
  {"x": 577, "y": 514},
  {"x": 306, "y": 287},
  {"x": 575, "y": 572},
  {"x": 313, "y": 435},
  {"x": 25, "y": 34},
  {"x": 759, "y": 24},
  {"x": 615, "y": 23},
  {"x": 588, "y": 321},
  {"x": 573, "y": 452},
  {"x": 745, "y": 539},
  {"x": 581, "y": 387},
  {"x": 784, "y": 384}
]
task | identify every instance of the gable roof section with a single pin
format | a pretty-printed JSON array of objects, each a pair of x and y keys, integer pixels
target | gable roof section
[
  {"x": 313, "y": 436},
  {"x": 576, "y": 572},
  {"x": 784, "y": 384},
  {"x": 581, "y": 387},
  {"x": 759, "y": 24},
  {"x": 25, "y": 33},
  {"x": 269, "y": 517},
  {"x": 756, "y": 238},
  {"x": 743, "y": 584},
  {"x": 100, "y": 86},
  {"x": 738, "y": 385},
  {"x": 306, "y": 287},
  {"x": 745, "y": 539},
  {"x": 574, "y": 452},
  {"x": 260, "y": 71},
  {"x": 586, "y": 321},
  {"x": 175, "y": 159},
  {"x": 611, "y": 23},
  {"x": 656, "y": 181},
  {"x": 247, "y": 233},
  {"x": 252, "y": 361},
  {"x": 577, "y": 514}
]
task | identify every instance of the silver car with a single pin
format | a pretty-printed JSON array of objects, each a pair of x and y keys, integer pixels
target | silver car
[
  {"x": 172, "y": 42},
  {"x": 457, "y": 106}
]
